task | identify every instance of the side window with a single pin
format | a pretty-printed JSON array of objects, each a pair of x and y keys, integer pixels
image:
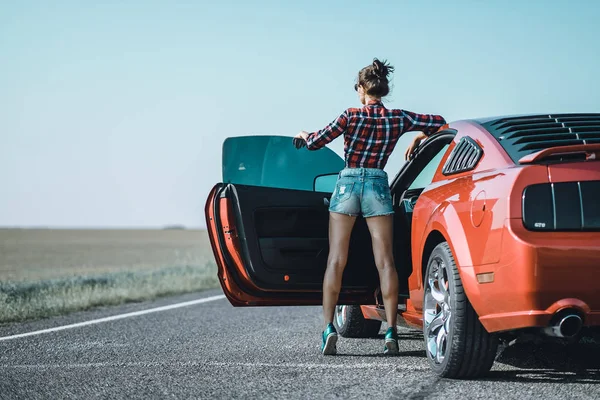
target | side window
[
  {"x": 426, "y": 176},
  {"x": 273, "y": 161},
  {"x": 464, "y": 157}
]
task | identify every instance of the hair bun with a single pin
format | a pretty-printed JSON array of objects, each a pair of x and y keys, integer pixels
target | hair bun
[
  {"x": 381, "y": 69},
  {"x": 374, "y": 78}
]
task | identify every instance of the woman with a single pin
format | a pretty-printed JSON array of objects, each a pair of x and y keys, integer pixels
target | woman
[{"x": 370, "y": 135}]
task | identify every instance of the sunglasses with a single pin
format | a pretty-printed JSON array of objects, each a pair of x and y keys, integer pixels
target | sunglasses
[{"x": 356, "y": 87}]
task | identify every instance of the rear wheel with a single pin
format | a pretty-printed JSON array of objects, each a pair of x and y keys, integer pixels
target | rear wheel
[
  {"x": 350, "y": 322},
  {"x": 456, "y": 343}
]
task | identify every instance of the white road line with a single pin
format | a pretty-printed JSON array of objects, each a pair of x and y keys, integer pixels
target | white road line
[
  {"x": 116, "y": 317},
  {"x": 211, "y": 364},
  {"x": 367, "y": 365}
]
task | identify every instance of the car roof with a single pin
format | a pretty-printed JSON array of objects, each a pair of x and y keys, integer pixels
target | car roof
[{"x": 524, "y": 134}]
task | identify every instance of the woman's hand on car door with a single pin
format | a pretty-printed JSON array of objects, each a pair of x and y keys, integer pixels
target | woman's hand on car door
[
  {"x": 414, "y": 145},
  {"x": 300, "y": 139}
]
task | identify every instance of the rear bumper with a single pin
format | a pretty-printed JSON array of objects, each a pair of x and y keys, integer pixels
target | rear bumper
[
  {"x": 535, "y": 318},
  {"x": 538, "y": 275}
]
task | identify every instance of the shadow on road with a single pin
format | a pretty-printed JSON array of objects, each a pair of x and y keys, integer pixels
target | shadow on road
[
  {"x": 537, "y": 361},
  {"x": 543, "y": 376},
  {"x": 550, "y": 362}
]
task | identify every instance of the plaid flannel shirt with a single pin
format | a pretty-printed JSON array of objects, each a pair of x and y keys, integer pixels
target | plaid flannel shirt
[{"x": 371, "y": 133}]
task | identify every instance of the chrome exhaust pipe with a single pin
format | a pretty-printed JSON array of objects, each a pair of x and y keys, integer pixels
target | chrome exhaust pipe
[{"x": 568, "y": 326}]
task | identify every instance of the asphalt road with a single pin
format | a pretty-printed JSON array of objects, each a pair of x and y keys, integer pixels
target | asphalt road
[{"x": 213, "y": 350}]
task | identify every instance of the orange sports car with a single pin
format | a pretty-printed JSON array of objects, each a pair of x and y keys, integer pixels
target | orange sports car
[{"x": 497, "y": 233}]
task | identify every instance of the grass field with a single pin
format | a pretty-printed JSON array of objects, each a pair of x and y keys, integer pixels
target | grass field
[{"x": 46, "y": 272}]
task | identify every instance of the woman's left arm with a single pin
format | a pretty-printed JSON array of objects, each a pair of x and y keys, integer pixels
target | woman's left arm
[
  {"x": 318, "y": 139},
  {"x": 426, "y": 123}
]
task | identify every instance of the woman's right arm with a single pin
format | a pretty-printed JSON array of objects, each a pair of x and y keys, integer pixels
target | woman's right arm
[{"x": 318, "y": 139}]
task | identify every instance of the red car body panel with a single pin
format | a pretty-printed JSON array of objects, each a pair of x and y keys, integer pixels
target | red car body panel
[{"x": 234, "y": 294}]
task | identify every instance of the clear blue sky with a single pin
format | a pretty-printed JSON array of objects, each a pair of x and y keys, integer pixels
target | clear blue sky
[{"x": 113, "y": 113}]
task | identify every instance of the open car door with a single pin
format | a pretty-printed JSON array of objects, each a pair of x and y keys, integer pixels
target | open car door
[{"x": 268, "y": 226}]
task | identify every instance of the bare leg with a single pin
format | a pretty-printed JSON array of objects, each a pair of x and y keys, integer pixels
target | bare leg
[
  {"x": 381, "y": 229},
  {"x": 340, "y": 230}
]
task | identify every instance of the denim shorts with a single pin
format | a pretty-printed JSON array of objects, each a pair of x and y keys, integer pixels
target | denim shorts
[{"x": 362, "y": 191}]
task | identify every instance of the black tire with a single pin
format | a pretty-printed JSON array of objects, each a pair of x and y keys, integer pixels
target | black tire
[
  {"x": 354, "y": 324},
  {"x": 470, "y": 350}
]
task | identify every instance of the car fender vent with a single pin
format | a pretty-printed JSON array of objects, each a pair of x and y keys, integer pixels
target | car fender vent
[
  {"x": 464, "y": 157},
  {"x": 524, "y": 135}
]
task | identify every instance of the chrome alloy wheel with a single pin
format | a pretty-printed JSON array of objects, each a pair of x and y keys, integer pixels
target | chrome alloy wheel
[
  {"x": 341, "y": 315},
  {"x": 437, "y": 314}
]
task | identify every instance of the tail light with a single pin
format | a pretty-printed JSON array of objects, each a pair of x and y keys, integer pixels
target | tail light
[{"x": 563, "y": 206}]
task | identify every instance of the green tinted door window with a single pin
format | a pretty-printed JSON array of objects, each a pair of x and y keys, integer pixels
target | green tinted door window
[{"x": 273, "y": 161}]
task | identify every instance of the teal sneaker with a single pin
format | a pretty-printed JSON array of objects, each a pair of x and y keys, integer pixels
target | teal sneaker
[
  {"x": 391, "y": 342},
  {"x": 330, "y": 337}
]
